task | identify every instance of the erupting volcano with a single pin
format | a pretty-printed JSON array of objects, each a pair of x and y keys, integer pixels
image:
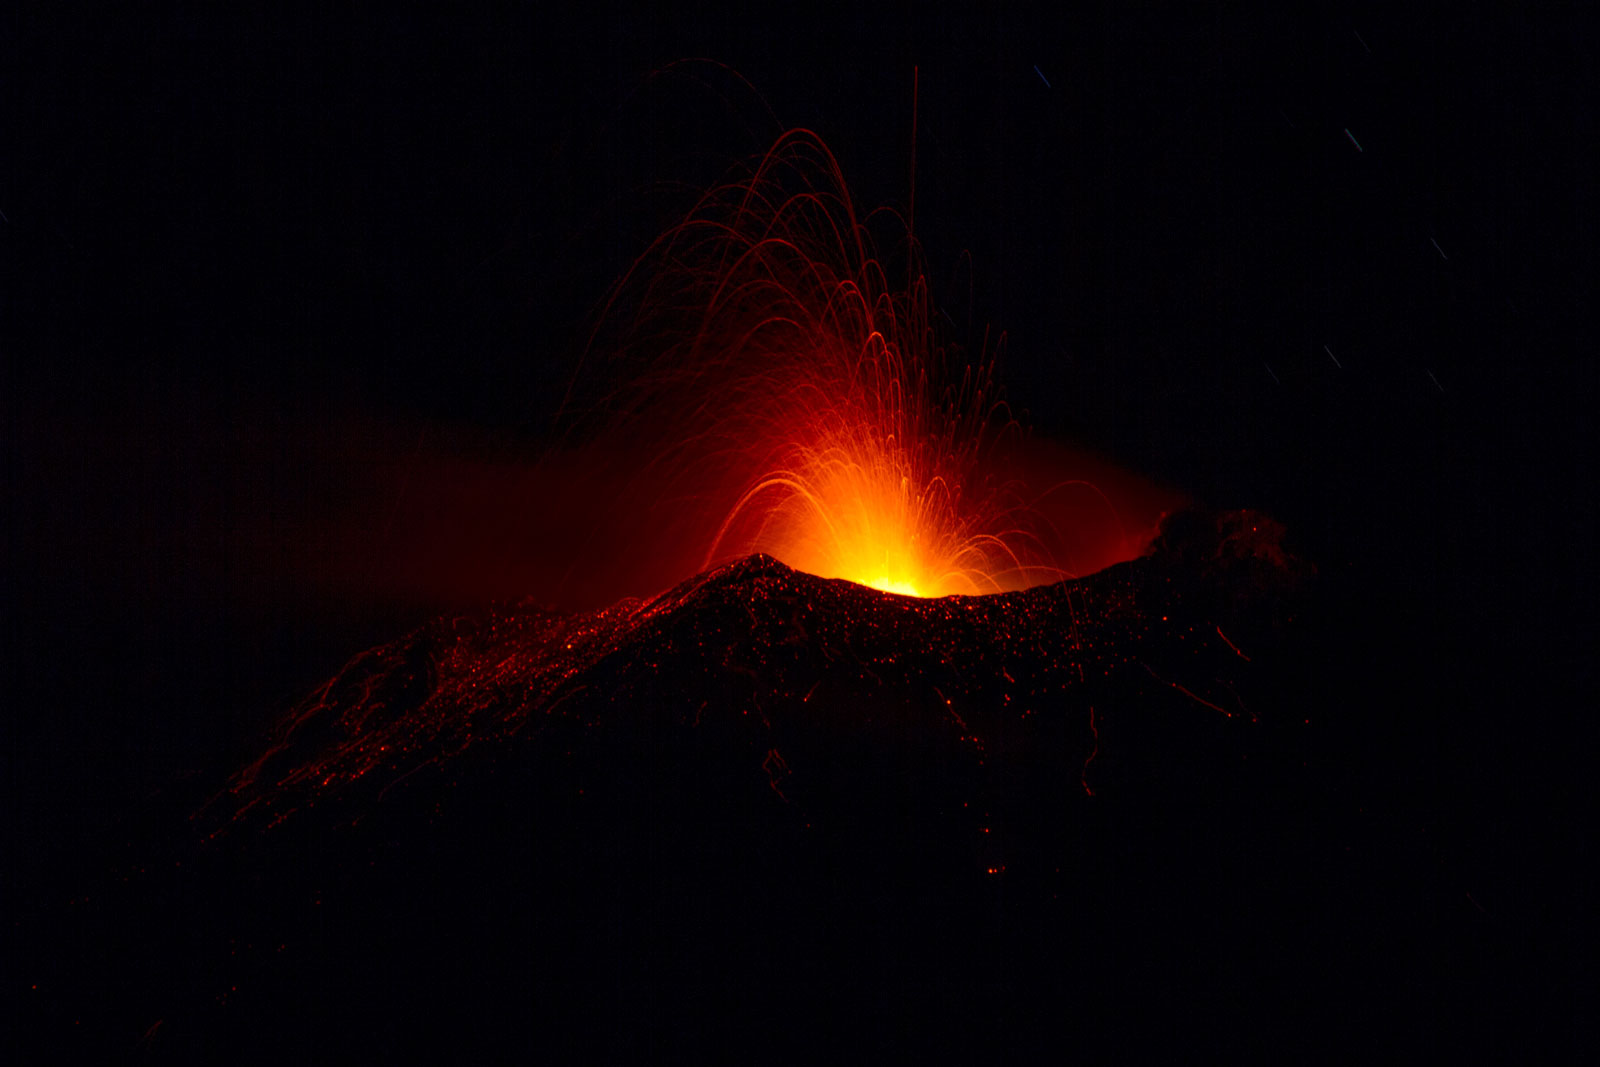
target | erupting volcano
[
  {"x": 952, "y": 533},
  {"x": 731, "y": 766}
]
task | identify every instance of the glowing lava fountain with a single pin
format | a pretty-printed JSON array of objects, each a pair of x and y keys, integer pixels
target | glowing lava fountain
[{"x": 800, "y": 390}]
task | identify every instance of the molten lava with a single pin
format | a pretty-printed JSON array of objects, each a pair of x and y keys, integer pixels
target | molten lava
[{"x": 788, "y": 388}]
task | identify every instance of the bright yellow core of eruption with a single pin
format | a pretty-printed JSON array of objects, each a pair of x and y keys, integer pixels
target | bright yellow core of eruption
[
  {"x": 846, "y": 505},
  {"x": 872, "y": 528},
  {"x": 888, "y": 586},
  {"x": 874, "y": 531}
]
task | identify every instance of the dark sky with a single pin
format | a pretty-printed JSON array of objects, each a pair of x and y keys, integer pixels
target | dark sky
[{"x": 269, "y": 284}]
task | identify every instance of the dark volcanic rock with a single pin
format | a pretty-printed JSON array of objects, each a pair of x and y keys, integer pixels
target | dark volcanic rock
[
  {"x": 756, "y": 658},
  {"x": 761, "y": 806}
]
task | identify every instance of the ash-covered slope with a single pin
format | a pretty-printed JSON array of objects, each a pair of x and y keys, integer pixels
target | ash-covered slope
[{"x": 757, "y": 802}]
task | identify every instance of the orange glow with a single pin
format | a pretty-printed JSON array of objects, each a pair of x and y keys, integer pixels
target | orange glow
[
  {"x": 850, "y": 502},
  {"x": 811, "y": 404}
]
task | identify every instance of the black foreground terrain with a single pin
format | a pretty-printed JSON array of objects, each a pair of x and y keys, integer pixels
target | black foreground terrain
[{"x": 766, "y": 814}]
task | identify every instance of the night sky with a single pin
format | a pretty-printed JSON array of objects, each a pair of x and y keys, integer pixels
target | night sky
[{"x": 288, "y": 307}]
